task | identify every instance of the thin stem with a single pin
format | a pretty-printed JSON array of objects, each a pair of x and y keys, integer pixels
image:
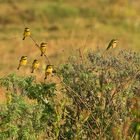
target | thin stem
[
  {"x": 86, "y": 41},
  {"x": 34, "y": 41},
  {"x": 80, "y": 55},
  {"x": 39, "y": 48},
  {"x": 91, "y": 129}
]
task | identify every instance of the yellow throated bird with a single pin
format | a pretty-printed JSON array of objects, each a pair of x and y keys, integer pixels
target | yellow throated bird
[
  {"x": 43, "y": 48},
  {"x": 26, "y": 33},
  {"x": 48, "y": 71},
  {"x": 35, "y": 65},
  {"x": 112, "y": 44},
  {"x": 22, "y": 62}
]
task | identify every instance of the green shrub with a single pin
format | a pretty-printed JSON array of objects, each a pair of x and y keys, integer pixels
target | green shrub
[
  {"x": 100, "y": 87},
  {"x": 21, "y": 119}
]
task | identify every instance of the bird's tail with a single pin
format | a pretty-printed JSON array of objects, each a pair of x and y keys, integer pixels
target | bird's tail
[
  {"x": 24, "y": 38},
  {"x": 18, "y": 67},
  {"x": 107, "y": 49},
  {"x": 46, "y": 76},
  {"x": 32, "y": 70},
  {"x": 41, "y": 54}
]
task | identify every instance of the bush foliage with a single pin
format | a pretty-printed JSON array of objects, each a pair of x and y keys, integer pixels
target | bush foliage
[{"x": 100, "y": 100}]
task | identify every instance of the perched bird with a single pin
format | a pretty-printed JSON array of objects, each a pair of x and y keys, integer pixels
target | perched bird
[
  {"x": 112, "y": 44},
  {"x": 48, "y": 71},
  {"x": 22, "y": 62},
  {"x": 43, "y": 48},
  {"x": 35, "y": 65},
  {"x": 26, "y": 33}
]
